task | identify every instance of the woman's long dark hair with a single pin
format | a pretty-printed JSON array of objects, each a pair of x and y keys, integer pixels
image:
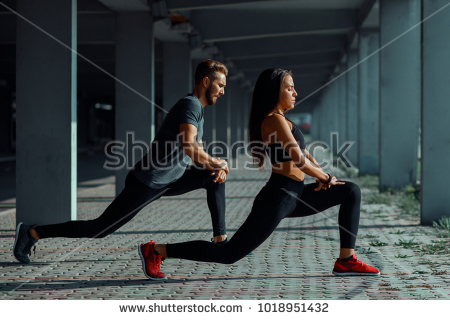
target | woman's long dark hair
[{"x": 265, "y": 98}]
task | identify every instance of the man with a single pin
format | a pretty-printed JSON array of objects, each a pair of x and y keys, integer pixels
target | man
[{"x": 161, "y": 172}]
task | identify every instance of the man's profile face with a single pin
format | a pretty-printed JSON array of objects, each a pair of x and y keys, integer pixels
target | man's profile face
[{"x": 216, "y": 89}]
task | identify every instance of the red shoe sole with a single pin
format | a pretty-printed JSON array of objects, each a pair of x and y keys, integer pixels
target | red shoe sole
[{"x": 355, "y": 274}]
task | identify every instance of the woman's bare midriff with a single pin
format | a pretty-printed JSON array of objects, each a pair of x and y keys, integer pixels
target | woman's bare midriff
[{"x": 288, "y": 168}]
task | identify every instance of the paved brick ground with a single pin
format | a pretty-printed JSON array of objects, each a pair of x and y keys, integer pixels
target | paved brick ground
[{"x": 294, "y": 263}]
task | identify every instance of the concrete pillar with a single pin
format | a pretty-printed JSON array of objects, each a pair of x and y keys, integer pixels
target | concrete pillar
[
  {"x": 135, "y": 60},
  {"x": 342, "y": 105},
  {"x": 247, "y": 108},
  {"x": 400, "y": 94},
  {"x": 315, "y": 121},
  {"x": 234, "y": 115},
  {"x": 352, "y": 107},
  {"x": 324, "y": 114},
  {"x": 369, "y": 107},
  {"x": 321, "y": 118},
  {"x": 46, "y": 112},
  {"x": 221, "y": 126},
  {"x": 435, "y": 146},
  {"x": 331, "y": 112},
  {"x": 177, "y": 72}
]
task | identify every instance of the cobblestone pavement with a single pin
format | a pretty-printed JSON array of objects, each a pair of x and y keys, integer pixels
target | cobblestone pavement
[{"x": 294, "y": 263}]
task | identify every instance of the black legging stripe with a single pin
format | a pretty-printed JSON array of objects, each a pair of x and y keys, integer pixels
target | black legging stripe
[
  {"x": 134, "y": 197},
  {"x": 271, "y": 205}
]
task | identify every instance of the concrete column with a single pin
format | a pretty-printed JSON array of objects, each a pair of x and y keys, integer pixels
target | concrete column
[
  {"x": 331, "y": 112},
  {"x": 321, "y": 118},
  {"x": 352, "y": 106},
  {"x": 342, "y": 105},
  {"x": 177, "y": 72},
  {"x": 233, "y": 115},
  {"x": 324, "y": 114},
  {"x": 46, "y": 112},
  {"x": 369, "y": 107},
  {"x": 315, "y": 121},
  {"x": 135, "y": 60},
  {"x": 221, "y": 126},
  {"x": 247, "y": 107},
  {"x": 435, "y": 146},
  {"x": 400, "y": 94}
]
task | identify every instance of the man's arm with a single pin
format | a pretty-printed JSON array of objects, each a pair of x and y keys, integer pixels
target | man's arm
[{"x": 188, "y": 135}]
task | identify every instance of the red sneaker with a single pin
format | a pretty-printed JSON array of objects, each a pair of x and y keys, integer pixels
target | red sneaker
[
  {"x": 354, "y": 267},
  {"x": 151, "y": 262}
]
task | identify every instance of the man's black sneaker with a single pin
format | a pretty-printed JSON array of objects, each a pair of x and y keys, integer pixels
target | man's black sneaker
[
  {"x": 23, "y": 243},
  {"x": 221, "y": 243}
]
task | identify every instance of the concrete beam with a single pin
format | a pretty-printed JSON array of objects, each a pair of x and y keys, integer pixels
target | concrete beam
[
  {"x": 128, "y": 5},
  {"x": 287, "y": 62},
  {"x": 250, "y": 24},
  {"x": 182, "y": 5},
  {"x": 282, "y": 46}
]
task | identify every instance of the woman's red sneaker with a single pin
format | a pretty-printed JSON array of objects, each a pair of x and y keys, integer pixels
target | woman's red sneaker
[
  {"x": 151, "y": 262},
  {"x": 354, "y": 267}
]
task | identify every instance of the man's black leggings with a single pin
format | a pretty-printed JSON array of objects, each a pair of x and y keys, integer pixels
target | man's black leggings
[
  {"x": 136, "y": 196},
  {"x": 280, "y": 198}
]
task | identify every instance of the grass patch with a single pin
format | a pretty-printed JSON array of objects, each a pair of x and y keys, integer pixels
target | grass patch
[
  {"x": 439, "y": 241},
  {"x": 438, "y": 272},
  {"x": 420, "y": 272},
  {"x": 379, "y": 198},
  {"x": 368, "y": 181},
  {"x": 402, "y": 256},
  {"x": 431, "y": 263},
  {"x": 407, "y": 199},
  {"x": 365, "y": 251},
  {"x": 443, "y": 224},
  {"x": 377, "y": 243},
  {"x": 384, "y": 284},
  {"x": 392, "y": 289},
  {"x": 436, "y": 248},
  {"x": 368, "y": 236},
  {"x": 407, "y": 244},
  {"x": 398, "y": 232}
]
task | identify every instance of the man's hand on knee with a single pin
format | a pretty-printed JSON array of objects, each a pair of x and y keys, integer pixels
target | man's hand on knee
[{"x": 220, "y": 176}]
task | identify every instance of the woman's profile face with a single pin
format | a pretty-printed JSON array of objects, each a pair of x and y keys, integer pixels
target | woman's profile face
[{"x": 287, "y": 93}]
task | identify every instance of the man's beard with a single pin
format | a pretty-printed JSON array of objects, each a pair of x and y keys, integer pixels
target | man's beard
[{"x": 210, "y": 96}]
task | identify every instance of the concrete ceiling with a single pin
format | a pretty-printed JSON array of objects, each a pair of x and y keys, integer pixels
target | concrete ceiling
[{"x": 308, "y": 36}]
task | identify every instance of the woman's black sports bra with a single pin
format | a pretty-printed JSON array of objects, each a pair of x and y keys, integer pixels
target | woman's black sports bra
[{"x": 276, "y": 152}]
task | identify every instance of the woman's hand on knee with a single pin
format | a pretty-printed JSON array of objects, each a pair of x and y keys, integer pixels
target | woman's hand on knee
[{"x": 325, "y": 186}]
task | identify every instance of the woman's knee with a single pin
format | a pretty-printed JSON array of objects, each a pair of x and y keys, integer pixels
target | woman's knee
[{"x": 353, "y": 189}]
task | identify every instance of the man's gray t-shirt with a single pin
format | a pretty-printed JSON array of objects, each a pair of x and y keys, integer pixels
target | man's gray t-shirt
[{"x": 166, "y": 162}]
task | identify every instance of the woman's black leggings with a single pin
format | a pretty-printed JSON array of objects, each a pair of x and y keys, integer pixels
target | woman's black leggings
[
  {"x": 280, "y": 198},
  {"x": 137, "y": 195}
]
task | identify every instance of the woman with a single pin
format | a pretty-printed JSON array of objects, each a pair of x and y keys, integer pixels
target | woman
[{"x": 284, "y": 195}]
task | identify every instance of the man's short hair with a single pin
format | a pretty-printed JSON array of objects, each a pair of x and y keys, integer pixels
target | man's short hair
[{"x": 209, "y": 68}]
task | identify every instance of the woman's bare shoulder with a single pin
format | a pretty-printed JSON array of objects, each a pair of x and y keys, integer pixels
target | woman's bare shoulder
[{"x": 274, "y": 121}]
